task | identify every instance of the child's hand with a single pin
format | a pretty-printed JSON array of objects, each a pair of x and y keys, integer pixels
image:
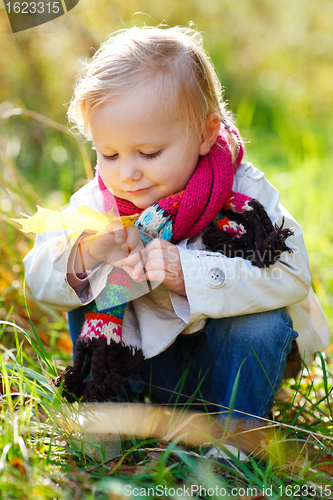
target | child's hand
[
  {"x": 111, "y": 246},
  {"x": 161, "y": 260}
]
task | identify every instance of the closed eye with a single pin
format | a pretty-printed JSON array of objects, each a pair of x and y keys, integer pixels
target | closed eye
[
  {"x": 152, "y": 155},
  {"x": 110, "y": 157},
  {"x": 145, "y": 155}
]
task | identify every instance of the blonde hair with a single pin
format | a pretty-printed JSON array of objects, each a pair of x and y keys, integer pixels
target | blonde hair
[{"x": 137, "y": 56}]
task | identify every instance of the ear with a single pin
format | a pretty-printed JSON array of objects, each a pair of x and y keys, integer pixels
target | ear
[{"x": 210, "y": 133}]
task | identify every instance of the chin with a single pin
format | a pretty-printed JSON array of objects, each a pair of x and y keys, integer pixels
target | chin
[{"x": 142, "y": 205}]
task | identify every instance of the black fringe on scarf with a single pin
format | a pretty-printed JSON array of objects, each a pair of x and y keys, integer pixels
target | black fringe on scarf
[
  {"x": 262, "y": 242},
  {"x": 108, "y": 365}
]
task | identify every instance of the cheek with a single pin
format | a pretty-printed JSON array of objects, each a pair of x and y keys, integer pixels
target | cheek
[
  {"x": 103, "y": 172},
  {"x": 107, "y": 173},
  {"x": 108, "y": 180}
]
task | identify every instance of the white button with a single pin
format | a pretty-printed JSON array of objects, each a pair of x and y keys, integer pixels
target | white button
[
  {"x": 58, "y": 250},
  {"x": 215, "y": 277}
]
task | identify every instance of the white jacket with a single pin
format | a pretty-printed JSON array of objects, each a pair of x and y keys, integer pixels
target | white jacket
[{"x": 216, "y": 286}]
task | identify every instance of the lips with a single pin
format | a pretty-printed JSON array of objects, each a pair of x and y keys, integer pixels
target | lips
[{"x": 139, "y": 191}]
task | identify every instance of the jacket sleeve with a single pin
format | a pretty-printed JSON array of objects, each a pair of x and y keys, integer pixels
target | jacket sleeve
[
  {"x": 46, "y": 264},
  {"x": 218, "y": 286}
]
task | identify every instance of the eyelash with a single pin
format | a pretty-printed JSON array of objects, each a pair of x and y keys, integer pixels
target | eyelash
[
  {"x": 111, "y": 157},
  {"x": 145, "y": 155},
  {"x": 152, "y": 155}
]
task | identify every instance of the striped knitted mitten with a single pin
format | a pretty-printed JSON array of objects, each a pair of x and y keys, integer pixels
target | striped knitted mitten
[{"x": 100, "y": 349}]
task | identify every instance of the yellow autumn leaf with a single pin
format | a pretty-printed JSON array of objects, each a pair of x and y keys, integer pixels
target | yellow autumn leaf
[{"x": 80, "y": 218}]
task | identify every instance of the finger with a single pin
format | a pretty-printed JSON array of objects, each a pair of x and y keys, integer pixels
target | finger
[
  {"x": 138, "y": 271},
  {"x": 157, "y": 275},
  {"x": 118, "y": 263},
  {"x": 132, "y": 238},
  {"x": 117, "y": 255},
  {"x": 155, "y": 263},
  {"x": 133, "y": 259},
  {"x": 100, "y": 238},
  {"x": 118, "y": 229},
  {"x": 135, "y": 277},
  {"x": 173, "y": 270},
  {"x": 150, "y": 253},
  {"x": 135, "y": 256},
  {"x": 135, "y": 250},
  {"x": 134, "y": 266}
]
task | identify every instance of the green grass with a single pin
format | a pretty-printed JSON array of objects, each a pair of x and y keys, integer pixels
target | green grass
[{"x": 42, "y": 454}]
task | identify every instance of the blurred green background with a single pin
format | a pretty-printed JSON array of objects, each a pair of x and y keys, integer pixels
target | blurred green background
[{"x": 274, "y": 60}]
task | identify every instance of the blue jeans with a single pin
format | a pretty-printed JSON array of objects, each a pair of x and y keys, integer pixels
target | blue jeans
[{"x": 204, "y": 365}]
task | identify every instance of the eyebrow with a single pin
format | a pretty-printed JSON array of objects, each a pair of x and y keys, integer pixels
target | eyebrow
[
  {"x": 147, "y": 143},
  {"x": 134, "y": 144}
]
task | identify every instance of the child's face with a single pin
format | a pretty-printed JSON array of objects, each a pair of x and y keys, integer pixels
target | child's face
[{"x": 144, "y": 153}]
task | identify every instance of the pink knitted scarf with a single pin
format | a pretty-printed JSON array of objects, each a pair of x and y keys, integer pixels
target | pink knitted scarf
[{"x": 190, "y": 211}]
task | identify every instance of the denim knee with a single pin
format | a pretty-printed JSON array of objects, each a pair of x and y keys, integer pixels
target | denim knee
[
  {"x": 255, "y": 330},
  {"x": 257, "y": 345}
]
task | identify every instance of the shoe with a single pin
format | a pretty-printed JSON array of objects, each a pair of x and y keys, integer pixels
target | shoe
[{"x": 225, "y": 454}]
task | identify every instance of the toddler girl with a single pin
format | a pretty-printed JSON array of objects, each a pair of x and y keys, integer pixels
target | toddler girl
[{"x": 201, "y": 283}]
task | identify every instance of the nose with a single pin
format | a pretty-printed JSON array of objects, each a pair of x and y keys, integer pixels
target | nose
[{"x": 128, "y": 171}]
